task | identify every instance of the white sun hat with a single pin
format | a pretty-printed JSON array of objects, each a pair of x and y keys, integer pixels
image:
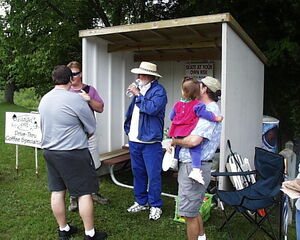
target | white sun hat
[{"x": 146, "y": 68}]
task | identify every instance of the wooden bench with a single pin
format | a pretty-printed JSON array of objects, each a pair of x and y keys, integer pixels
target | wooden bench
[{"x": 116, "y": 157}]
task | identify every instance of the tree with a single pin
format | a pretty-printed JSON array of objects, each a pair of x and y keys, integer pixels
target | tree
[
  {"x": 273, "y": 25},
  {"x": 36, "y": 35},
  {"x": 6, "y": 82}
]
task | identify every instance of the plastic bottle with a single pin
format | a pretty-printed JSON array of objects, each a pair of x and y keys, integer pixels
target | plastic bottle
[{"x": 136, "y": 84}]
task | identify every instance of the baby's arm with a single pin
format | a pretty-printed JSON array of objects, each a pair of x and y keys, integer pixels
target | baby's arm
[
  {"x": 172, "y": 114},
  {"x": 200, "y": 111}
]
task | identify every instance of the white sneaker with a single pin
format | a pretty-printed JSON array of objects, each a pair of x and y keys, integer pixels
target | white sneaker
[
  {"x": 196, "y": 174},
  {"x": 137, "y": 208},
  {"x": 202, "y": 237},
  {"x": 155, "y": 213}
]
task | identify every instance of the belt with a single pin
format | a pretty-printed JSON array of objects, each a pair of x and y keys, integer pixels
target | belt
[{"x": 207, "y": 160}]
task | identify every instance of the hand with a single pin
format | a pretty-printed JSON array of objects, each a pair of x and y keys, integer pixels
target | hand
[
  {"x": 85, "y": 96},
  {"x": 219, "y": 118},
  {"x": 170, "y": 145},
  {"x": 169, "y": 149},
  {"x": 132, "y": 88},
  {"x": 173, "y": 143}
]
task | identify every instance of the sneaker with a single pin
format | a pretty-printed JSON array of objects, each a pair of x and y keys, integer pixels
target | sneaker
[
  {"x": 196, "y": 174},
  {"x": 155, "y": 213},
  {"x": 137, "y": 207},
  {"x": 99, "y": 198},
  {"x": 202, "y": 237},
  {"x": 65, "y": 235},
  {"x": 97, "y": 236},
  {"x": 73, "y": 204}
]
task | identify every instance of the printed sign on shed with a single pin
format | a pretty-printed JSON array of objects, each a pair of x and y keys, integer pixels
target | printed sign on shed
[
  {"x": 23, "y": 129},
  {"x": 199, "y": 70}
]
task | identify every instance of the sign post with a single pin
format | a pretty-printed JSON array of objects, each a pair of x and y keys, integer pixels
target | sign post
[
  {"x": 17, "y": 158},
  {"x": 36, "y": 162},
  {"x": 23, "y": 129}
]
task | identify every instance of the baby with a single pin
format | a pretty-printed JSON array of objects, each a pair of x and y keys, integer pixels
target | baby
[{"x": 185, "y": 115}]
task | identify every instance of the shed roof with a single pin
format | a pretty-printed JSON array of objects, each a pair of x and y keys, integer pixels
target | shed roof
[{"x": 190, "y": 38}]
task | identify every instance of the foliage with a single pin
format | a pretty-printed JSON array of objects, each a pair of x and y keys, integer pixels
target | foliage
[
  {"x": 273, "y": 26},
  {"x": 27, "y": 98},
  {"x": 36, "y": 35}
]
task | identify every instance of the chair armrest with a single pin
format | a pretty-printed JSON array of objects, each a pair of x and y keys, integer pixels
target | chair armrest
[{"x": 217, "y": 174}]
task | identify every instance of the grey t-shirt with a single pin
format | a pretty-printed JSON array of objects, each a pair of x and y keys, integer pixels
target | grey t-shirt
[{"x": 66, "y": 119}]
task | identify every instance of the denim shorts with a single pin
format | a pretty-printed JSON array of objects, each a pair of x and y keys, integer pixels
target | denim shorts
[
  {"x": 73, "y": 170},
  {"x": 190, "y": 192}
]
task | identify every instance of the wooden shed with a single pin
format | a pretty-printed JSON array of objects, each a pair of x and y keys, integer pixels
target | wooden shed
[{"x": 174, "y": 45}]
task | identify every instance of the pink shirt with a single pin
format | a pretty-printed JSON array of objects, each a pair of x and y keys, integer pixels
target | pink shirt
[
  {"x": 185, "y": 119},
  {"x": 92, "y": 93}
]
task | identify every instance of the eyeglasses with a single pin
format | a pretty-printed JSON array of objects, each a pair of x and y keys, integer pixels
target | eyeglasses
[{"x": 75, "y": 73}]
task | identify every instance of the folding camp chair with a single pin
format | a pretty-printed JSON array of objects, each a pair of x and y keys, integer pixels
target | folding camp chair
[{"x": 257, "y": 200}]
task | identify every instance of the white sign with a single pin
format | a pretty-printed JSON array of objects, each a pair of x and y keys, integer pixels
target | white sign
[
  {"x": 23, "y": 129},
  {"x": 199, "y": 70}
]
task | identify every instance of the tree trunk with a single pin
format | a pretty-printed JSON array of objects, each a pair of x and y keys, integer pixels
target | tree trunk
[{"x": 9, "y": 92}]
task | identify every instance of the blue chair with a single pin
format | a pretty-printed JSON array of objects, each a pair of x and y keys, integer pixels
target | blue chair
[{"x": 256, "y": 201}]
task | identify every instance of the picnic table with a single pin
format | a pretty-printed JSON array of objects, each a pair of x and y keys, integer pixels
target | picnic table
[{"x": 120, "y": 156}]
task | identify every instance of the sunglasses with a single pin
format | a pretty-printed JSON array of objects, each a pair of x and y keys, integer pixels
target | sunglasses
[{"x": 75, "y": 73}]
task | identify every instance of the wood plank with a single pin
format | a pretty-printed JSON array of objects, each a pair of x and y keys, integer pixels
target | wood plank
[
  {"x": 197, "y": 33},
  {"x": 188, "y": 50},
  {"x": 160, "y": 45},
  {"x": 113, "y": 154},
  {"x": 116, "y": 160},
  {"x": 180, "y": 56},
  {"x": 160, "y": 35},
  {"x": 179, "y": 22},
  {"x": 127, "y": 37},
  {"x": 189, "y": 22}
]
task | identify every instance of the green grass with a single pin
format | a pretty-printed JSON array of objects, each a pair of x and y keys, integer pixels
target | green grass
[
  {"x": 25, "y": 211},
  {"x": 25, "y": 97}
]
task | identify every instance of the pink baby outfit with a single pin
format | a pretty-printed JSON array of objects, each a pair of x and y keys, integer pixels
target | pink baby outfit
[{"x": 185, "y": 119}]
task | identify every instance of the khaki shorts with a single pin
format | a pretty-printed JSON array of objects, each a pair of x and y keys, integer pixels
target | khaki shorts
[{"x": 191, "y": 193}]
